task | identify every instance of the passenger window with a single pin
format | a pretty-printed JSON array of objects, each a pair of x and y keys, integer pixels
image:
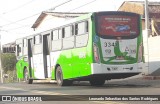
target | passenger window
[
  {"x": 67, "y": 31},
  {"x": 24, "y": 42},
  {"x": 55, "y": 35},
  {"x": 63, "y": 33},
  {"x": 86, "y": 23},
  {"x": 19, "y": 50},
  {"x": 76, "y": 29},
  {"x": 72, "y": 30},
  {"x": 37, "y": 39},
  {"x": 60, "y": 33},
  {"x": 81, "y": 28}
]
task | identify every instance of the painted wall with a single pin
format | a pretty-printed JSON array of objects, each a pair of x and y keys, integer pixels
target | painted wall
[{"x": 152, "y": 54}]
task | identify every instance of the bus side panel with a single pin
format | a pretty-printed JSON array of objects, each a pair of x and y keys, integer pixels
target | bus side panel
[
  {"x": 65, "y": 61},
  {"x": 74, "y": 62},
  {"x": 81, "y": 63}
]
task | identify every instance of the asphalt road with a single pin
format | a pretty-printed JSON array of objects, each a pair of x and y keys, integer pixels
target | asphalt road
[{"x": 131, "y": 87}]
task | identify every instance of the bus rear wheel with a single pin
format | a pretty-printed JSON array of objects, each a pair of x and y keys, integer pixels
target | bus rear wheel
[
  {"x": 26, "y": 77},
  {"x": 59, "y": 78},
  {"x": 97, "y": 82}
]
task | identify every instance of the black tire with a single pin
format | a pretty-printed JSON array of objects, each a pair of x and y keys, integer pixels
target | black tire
[
  {"x": 59, "y": 78},
  {"x": 26, "y": 77},
  {"x": 97, "y": 82}
]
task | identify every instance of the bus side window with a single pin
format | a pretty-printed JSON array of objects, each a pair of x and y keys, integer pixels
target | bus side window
[
  {"x": 24, "y": 42},
  {"x": 81, "y": 28},
  {"x": 56, "y": 43},
  {"x": 25, "y": 49},
  {"x": 82, "y": 34},
  {"x": 37, "y": 39},
  {"x": 63, "y": 33},
  {"x": 76, "y": 29},
  {"x": 86, "y": 23},
  {"x": 37, "y": 44},
  {"x": 68, "y": 41},
  {"x": 40, "y": 38},
  {"x": 19, "y": 50},
  {"x": 72, "y": 30},
  {"x": 60, "y": 33},
  {"x": 51, "y": 35},
  {"x": 55, "y": 35},
  {"x": 68, "y": 31},
  {"x": 34, "y": 40}
]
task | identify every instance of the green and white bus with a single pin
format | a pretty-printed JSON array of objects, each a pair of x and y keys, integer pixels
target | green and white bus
[{"x": 95, "y": 47}]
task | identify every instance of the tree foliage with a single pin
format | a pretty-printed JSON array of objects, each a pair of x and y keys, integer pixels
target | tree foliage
[{"x": 8, "y": 62}]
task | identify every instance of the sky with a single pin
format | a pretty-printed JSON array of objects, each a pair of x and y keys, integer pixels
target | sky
[{"x": 17, "y": 16}]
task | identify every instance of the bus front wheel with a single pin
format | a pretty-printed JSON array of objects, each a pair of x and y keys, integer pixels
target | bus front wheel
[
  {"x": 26, "y": 77},
  {"x": 59, "y": 78}
]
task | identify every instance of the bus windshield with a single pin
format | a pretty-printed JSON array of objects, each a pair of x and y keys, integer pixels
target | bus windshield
[{"x": 117, "y": 25}]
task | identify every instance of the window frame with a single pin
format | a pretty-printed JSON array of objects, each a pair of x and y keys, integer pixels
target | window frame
[
  {"x": 86, "y": 27},
  {"x": 40, "y": 39},
  {"x": 52, "y": 34}
]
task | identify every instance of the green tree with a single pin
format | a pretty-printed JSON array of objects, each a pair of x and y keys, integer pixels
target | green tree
[{"x": 8, "y": 62}]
